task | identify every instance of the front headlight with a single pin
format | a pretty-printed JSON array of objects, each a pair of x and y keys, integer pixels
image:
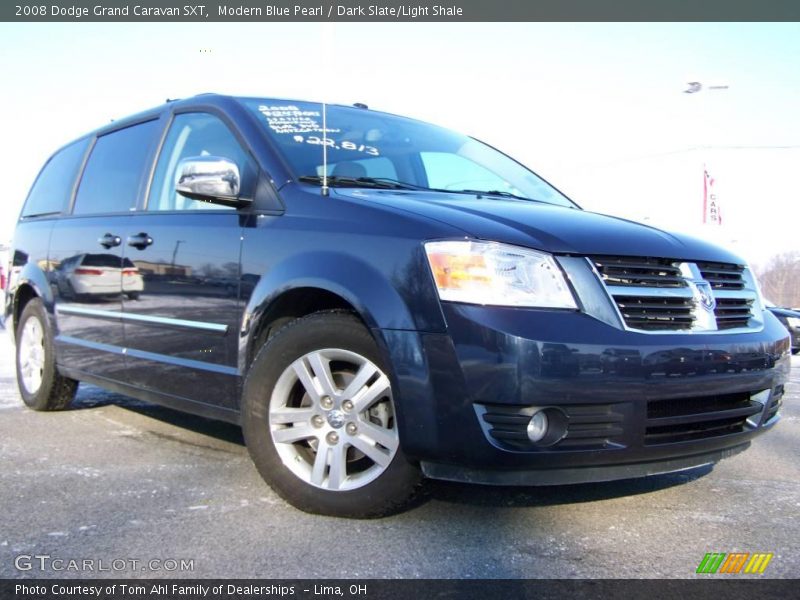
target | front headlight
[
  {"x": 793, "y": 322},
  {"x": 497, "y": 274}
]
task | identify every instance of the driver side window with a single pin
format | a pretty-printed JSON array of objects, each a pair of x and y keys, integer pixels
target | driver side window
[{"x": 190, "y": 135}]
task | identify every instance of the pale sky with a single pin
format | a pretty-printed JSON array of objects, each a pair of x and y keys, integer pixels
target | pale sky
[{"x": 597, "y": 109}]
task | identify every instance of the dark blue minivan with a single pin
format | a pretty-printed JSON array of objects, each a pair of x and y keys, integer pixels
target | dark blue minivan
[{"x": 376, "y": 299}]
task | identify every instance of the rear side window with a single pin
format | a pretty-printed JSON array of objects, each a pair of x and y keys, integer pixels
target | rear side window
[
  {"x": 51, "y": 192},
  {"x": 113, "y": 173}
]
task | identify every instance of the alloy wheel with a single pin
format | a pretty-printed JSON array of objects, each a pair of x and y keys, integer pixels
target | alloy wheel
[
  {"x": 332, "y": 419},
  {"x": 31, "y": 355}
]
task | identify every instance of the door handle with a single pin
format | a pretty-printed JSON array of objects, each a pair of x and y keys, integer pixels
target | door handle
[
  {"x": 140, "y": 241},
  {"x": 109, "y": 241}
]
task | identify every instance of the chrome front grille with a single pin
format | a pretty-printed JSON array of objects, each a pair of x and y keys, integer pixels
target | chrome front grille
[
  {"x": 733, "y": 312},
  {"x": 661, "y": 295},
  {"x": 654, "y": 312},
  {"x": 722, "y": 276},
  {"x": 627, "y": 271}
]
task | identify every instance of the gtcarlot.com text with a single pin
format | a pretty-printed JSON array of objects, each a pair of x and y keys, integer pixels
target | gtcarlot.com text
[{"x": 47, "y": 562}]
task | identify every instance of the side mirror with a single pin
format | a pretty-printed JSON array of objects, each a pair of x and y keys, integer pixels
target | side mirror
[{"x": 210, "y": 178}]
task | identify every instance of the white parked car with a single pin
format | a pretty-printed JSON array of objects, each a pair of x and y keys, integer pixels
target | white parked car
[{"x": 88, "y": 275}]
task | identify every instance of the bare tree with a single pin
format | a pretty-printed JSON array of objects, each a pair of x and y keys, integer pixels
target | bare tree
[{"x": 780, "y": 279}]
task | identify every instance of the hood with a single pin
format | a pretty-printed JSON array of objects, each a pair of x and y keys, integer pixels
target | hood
[{"x": 555, "y": 229}]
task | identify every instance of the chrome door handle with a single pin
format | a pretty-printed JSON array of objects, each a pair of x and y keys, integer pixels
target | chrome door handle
[
  {"x": 109, "y": 241},
  {"x": 140, "y": 241}
]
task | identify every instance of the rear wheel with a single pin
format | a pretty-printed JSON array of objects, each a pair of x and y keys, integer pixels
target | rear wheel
[
  {"x": 40, "y": 384},
  {"x": 320, "y": 422}
]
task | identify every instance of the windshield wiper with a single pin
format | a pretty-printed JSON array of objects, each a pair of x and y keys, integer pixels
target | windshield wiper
[
  {"x": 394, "y": 184},
  {"x": 495, "y": 193},
  {"x": 401, "y": 185},
  {"x": 369, "y": 182}
]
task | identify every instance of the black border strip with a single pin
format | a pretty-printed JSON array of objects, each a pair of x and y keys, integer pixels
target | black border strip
[
  {"x": 388, "y": 589},
  {"x": 398, "y": 11}
]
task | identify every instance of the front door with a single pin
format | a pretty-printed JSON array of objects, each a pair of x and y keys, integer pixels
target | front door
[{"x": 181, "y": 330}]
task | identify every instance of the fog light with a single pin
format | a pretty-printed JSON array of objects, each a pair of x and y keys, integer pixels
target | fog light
[{"x": 537, "y": 426}]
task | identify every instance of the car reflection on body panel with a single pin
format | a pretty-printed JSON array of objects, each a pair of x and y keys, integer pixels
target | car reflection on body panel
[
  {"x": 98, "y": 275},
  {"x": 622, "y": 361}
]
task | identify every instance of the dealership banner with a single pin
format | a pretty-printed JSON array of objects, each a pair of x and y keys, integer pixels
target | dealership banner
[
  {"x": 712, "y": 214},
  {"x": 397, "y": 10}
]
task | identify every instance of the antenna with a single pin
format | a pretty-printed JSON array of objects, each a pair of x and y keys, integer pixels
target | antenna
[
  {"x": 325, "y": 190},
  {"x": 326, "y": 43}
]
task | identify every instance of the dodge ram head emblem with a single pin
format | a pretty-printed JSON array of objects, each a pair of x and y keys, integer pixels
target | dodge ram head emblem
[{"x": 704, "y": 295}]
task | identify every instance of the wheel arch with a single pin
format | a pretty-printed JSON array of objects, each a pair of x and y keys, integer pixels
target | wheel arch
[
  {"x": 314, "y": 282},
  {"x": 30, "y": 285},
  {"x": 287, "y": 306}
]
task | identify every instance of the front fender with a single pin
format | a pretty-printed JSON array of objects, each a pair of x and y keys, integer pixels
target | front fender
[{"x": 402, "y": 300}]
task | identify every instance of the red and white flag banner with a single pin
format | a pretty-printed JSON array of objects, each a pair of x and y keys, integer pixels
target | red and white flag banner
[{"x": 711, "y": 207}]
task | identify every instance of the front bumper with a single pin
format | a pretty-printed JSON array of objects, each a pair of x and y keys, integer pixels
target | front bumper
[
  {"x": 571, "y": 475},
  {"x": 635, "y": 404}
]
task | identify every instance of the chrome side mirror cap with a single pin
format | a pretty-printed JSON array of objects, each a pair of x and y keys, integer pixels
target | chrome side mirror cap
[{"x": 211, "y": 178}]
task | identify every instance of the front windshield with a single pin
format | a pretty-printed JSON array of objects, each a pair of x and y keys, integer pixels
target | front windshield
[{"x": 366, "y": 146}]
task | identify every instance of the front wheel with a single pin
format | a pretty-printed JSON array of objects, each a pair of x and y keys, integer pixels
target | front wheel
[
  {"x": 40, "y": 384},
  {"x": 320, "y": 422}
]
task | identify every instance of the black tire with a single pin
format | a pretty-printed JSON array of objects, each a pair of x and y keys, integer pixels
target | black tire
[
  {"x": 55, "y": 392},
  {"x": 392, "y": 488},
  {"x": 132, "y": 295}
]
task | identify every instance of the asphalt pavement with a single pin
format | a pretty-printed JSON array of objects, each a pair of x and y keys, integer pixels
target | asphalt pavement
[{"x": 143, "y": 491}]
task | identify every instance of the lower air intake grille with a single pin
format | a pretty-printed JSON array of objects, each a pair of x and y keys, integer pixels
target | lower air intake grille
[
  {"x": 696, "y": 418},
  {"x": 775, "y": 404},
  {"x": 589, "y": 426}
]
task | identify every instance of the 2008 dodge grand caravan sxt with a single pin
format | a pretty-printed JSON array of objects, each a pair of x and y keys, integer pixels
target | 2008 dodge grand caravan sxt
[{"x": 381, "y": 300}]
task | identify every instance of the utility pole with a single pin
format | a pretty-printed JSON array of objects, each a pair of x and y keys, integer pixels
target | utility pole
[{"x": 175, "y": 253}]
